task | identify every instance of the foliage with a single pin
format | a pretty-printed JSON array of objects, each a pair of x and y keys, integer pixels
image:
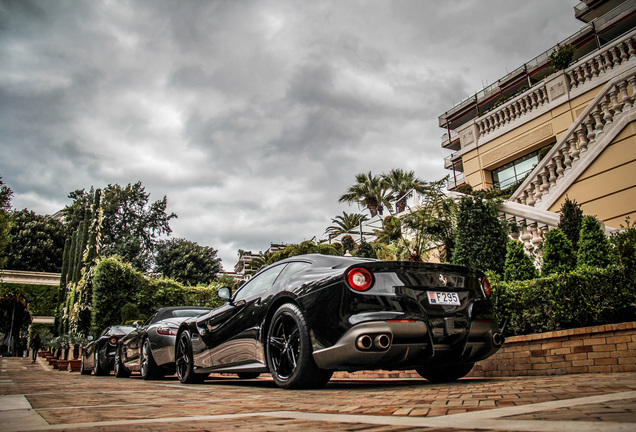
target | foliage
[
  {"x": 391, "y": 230},
  {"x": 370, "y": 191},
  {"x": 594, "y": 246},
  {"x": 187, "y": 262},
  {"x": 348, "y": 244},
  {"x": 366, "y": 250},
  {"x": 37, "y": 242},
  {"x": 348, "y": 223},
  {"x": 433, "y": 223},
  {"x": 40, "y": 299},
  {"x": 518, "y": 265},
  {"x": 402, "y": 184},
  {"x": 624, "y": 249},
  {"x": 557, "y": 253},
  {"x": 570, "y": 221},
  {"x": 562, "y": 57},
  {"x": 5, "y": 222},
  {"x": 583, "y": 297},
  {"x": 118, "y": 285},
  {"x": 306, "y": 247},
  {"x": 481, "y": 237},
  {"x": 131, "y": 225},
  {"x": 115, "y": 284}
]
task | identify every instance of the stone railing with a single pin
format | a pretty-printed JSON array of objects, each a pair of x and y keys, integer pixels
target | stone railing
[
  {"x": 586, "y": 70},
  {"x": 611, "y": 103},
  {"x": 532, "y": 223},
  {"x": 602, "y": 61}
]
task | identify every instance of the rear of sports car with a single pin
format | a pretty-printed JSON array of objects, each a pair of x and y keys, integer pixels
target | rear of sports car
[{"x": 403, "y": 315}]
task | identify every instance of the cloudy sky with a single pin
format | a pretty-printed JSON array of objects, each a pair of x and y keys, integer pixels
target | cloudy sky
[{"x": 252, "y": 117}]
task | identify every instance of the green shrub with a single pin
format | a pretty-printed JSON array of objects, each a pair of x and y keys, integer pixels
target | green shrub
[
  {"x": 583, "y": 297},
  {"x": 570, "y": 221},
  {"x": 557, "y": 253},
  {"x": 594, "y": 246},
  {"x": 518, "y": 265},
  {"x": 481, "y": 237}
]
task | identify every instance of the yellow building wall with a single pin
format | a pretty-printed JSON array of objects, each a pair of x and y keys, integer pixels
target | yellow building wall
[
  {"x": 528, "y": 137},
  {"x": 607, "y": 188}
]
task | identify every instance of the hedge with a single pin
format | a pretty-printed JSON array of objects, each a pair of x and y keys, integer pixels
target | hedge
[
  {"x": 41, "y": 298},
  {"x": 117, "y": 285},
  {"x": 583, "y": 297}
]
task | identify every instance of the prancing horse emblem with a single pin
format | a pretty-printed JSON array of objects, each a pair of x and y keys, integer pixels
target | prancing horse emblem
[{"x": 443, "y": 280}]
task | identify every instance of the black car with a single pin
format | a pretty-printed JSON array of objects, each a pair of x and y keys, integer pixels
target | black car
[
  {"x": 149, "y": 348},
  {"x": 304, "y": 317},
  {"x": 99, "y": 354}
]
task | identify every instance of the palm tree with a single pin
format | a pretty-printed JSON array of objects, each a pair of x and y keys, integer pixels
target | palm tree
[
  {"x": 402, "y": 185},
  {"x": 370, "y": 191},
  {"x": 348, "y": 223}
]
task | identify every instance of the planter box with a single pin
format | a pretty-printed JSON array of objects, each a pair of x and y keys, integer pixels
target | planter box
[
  {"x": 74, "y": 365},
  {"x": 61, "y": 365}
]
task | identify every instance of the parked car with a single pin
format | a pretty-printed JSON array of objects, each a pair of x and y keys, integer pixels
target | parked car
[
  {"x": 99, "y": 354},
  {"x": 149, "y": 348},
  {"x": 304, "y": 317}
]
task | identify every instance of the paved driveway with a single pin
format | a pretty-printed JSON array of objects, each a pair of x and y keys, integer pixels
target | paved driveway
[{"x": 35, "y": 397}]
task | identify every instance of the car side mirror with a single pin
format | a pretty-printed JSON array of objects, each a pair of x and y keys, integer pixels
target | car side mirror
[
  {"x": 90, "y": 338},
  {"x": 224, "y": 293},
  {"x": 136, "y": 324}
]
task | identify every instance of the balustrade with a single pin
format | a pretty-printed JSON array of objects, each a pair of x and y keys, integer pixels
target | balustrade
[{"x": 614, "y": 100}]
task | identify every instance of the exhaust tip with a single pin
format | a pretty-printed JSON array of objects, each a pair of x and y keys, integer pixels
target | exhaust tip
[
  {"x": 364, "y": 342},
  {"x": 382, "y": 341},
  {"x": 498, "y": 339}
]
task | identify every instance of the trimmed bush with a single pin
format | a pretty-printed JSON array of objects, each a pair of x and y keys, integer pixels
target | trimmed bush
[
  {"x": 583, "y": 297},
  {"x": 557, "y": 253},
  {"x": 594, "y": 246},
  {"x": 518, "y": 265}
]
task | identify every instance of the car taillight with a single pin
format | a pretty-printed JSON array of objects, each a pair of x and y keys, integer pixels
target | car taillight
[
  {"x": 167, "y": 331},
  {"x": 359, "y": 279},
  {"x": 485, "y": 285},
  {"x": 112, "y": 340}
]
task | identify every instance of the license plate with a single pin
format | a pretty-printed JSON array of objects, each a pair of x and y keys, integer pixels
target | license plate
[{"x": 443, "y": 298}]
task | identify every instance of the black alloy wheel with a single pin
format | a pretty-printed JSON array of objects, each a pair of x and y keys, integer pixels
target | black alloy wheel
[
  {"x": 445, "y": 373},
  {"x": 185, "y": 362},
  {"x": 98, "y": 370},
  {"x": 83, "y": 369},
  {"x": 120, "y": 370},
  {"x": 147, "y": 366},
  {"x": 289, "y": 351}
]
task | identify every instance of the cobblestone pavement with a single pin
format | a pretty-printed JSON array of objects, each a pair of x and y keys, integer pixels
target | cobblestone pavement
[{"x": 35, "y": 397}]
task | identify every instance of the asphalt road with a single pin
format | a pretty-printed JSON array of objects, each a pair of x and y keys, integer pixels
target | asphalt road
[{"x": 36, "y": 397}]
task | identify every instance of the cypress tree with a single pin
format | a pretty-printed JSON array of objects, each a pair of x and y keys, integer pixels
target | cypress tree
[
  {"x": 594, "y": 246},
  {"x": 558, "y": 256},
  {"x": 518, "y": 265},
  {"x": 570, "y": 221}
]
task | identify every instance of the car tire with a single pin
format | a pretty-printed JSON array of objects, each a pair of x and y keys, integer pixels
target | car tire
[
  {"x": 147, "y": 366},
  {"x": 83, "y": 369},
  {"x": 98, "y": 370},
  {"x": 120, "y": 370},
  {"x": 446, "y": 373},
  {"x": 185, "y": 362},
  {"x": 248, "y": 375},
  {"x": 289, "y": 351}
]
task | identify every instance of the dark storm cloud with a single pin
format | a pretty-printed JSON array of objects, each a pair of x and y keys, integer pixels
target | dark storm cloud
[{"x": 252, "y": 117}]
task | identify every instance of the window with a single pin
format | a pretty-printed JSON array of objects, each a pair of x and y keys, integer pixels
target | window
[
  {"x": 514, "y": 171},
  {"x": 260, "y": 283}
]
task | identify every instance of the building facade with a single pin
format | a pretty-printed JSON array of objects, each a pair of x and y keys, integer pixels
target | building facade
[{"x": 548, "y": 134}]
